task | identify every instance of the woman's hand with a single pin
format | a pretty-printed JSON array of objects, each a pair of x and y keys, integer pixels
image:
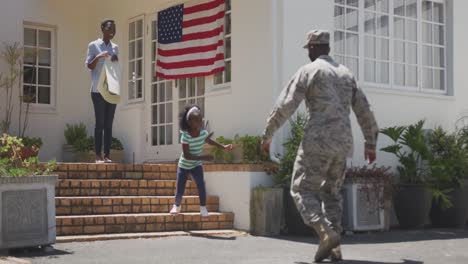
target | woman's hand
[{"x": 103, "y": 54}]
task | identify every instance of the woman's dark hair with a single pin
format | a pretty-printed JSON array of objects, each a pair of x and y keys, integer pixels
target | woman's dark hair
[
  {"x": 104, "y": 23},
  {"x": 183, "y": 122}
]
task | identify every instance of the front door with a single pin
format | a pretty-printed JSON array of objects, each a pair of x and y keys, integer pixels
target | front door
[{"x": 166, "y": 99}]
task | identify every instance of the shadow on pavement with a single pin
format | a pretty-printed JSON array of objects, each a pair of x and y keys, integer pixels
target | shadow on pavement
[
  {"x": 392, "y": 236},
  {"x": 213, "y": 237},
  {"x": 38, "y": 252},
  {"x": 405, "y": 261}
]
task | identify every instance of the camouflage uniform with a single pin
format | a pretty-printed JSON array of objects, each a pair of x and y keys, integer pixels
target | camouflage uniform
[{"x": 330, "y": 91}]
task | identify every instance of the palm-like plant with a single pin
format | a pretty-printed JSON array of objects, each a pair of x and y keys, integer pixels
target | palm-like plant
[{"x": 410, "y": 147}]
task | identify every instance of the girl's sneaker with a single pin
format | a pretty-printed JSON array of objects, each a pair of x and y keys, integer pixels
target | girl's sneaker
[
  {"x": 203, "y": 211},
  {"x": 175, "y": 209}
]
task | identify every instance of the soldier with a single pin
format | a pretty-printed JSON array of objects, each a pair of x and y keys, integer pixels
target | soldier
[{"x": 329, "y": 90}]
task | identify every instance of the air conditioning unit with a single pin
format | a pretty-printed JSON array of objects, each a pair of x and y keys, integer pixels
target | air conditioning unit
[{"x": 361, "y": 208}]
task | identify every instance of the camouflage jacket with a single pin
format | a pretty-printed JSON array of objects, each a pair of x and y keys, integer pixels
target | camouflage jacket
[{"x": 330, "y": 91}]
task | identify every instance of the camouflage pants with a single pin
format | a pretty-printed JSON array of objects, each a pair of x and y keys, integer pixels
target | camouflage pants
[{"x": 317, "y": 178}]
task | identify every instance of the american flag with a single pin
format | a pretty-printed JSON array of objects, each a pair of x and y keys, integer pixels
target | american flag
[{"x": 190, "y": 39}]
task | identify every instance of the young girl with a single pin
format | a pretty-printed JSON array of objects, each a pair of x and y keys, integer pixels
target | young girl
[{"x": 190, "y": 162}]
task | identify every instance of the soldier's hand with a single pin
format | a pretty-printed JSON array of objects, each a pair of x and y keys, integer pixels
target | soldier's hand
[
  {"x": 266, "y": 146},
  {"x": 370, "y": 155}
]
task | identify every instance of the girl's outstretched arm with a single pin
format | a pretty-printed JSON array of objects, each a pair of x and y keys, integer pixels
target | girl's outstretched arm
[
  {"x": 188, "y": 156},
  {"x": 214, "y": 143}
]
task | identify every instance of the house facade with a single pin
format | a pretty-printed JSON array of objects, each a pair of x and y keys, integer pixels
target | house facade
[{"x": 407, "y": 55}]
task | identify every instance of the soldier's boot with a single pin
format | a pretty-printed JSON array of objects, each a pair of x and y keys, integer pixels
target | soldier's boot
[
  {"x": 329, "y": 239},
  {"x": 336, "y": 255}
]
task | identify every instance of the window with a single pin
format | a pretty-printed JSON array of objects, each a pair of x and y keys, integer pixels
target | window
[
  {"x": 395, "y": 44},
  {"x": 135, "y": 60},
  {"x": 225, "y": 76},
  {"x": 38, "y": 65},
  {"x": 161, "y": 100},
  {"x": 192, "y": 91},
  {"x": 405, "y": 44}
]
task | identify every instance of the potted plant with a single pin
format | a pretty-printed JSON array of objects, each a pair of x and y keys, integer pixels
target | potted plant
[
  {"x": 293, "y": 221},
  {"x": 31, "y": 147},
  {"x": 27, "y": 198},
  {"x": 266, "y": 207},
  {"x": 73, "y": 135},
  {"x": 267, "y": 203},
  {"x": 80, "y": 147},
  {"x": 368, "y": 193},
  {"x": 413, "y": 197},
  {"x": 449, "y": 167}
]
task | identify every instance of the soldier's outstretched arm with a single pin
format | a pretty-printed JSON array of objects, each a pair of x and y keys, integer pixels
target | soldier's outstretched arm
[
  {"x": 287, "y": 103},
  {"x": 365, "y": 118}
]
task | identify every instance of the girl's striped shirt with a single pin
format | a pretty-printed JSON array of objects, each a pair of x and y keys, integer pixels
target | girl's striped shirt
[{"x": 195, "y": 148}]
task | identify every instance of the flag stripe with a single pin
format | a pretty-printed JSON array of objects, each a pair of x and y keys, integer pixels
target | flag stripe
[
  {"x": 191, "y": 63},
  {"x": 199, "y": 69},
  {"x": 205, "y": 13},
  {"x": 202, "y": 7},
  {"x": 184, "y": 51},
  {"x": 203, "y": 35},
  {"x": 189, "y": 75},
  {"x": 192, "y": 56},
  {"x": 205, "y": 27},
  {"x": 203, "y": 20},
  {"x": 190, "y": 44}
]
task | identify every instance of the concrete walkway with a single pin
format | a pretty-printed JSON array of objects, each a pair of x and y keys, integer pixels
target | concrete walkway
[{"x": 395, "y": 247}]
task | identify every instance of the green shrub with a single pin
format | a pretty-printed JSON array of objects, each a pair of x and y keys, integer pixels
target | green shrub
[
  {"x": 286, "y": 166},
  {"x": 252, "y": 152},
  {"x": 32, "y": 142},
  {"x": 74, "y": 133},
  {"x": 219, "y": 154}
]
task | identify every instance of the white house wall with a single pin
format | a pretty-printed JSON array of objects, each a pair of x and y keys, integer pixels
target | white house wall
[
  {"x": 72, "y": 87},
  {"x": 267, "y": 38}
]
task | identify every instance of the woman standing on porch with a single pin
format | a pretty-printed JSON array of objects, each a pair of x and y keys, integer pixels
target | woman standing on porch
[
  {"x": 104, "y": 111},
  {"x": 190, "y": 162}
]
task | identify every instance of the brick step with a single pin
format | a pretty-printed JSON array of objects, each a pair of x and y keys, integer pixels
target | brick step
[
  {"x": 128, "y": 204},
  {"x": 116, "y": 171},
  {"x": 136, "y": 223},
  {"x": 109, "y": 175},
  {"x": 120, "y": 188}
]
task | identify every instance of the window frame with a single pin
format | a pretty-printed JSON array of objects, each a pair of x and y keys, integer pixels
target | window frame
[
  {"x": 392, "y": 86},
  {"x": 36, "y": 106},
  {"x": 135, "y": 60}
]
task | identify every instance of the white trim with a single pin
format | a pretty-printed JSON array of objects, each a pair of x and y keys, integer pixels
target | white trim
[
  {"x": 360, "y": 76},
  {"x": 408, "y": 93},
  {"x": 136, "y": 100},
  {"x": 36, "y": 107}
]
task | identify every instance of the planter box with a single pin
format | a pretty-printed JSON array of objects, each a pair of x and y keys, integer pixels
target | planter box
[
  {"x": 27, "y": 206},
  {"x": 412, "y": 205},
  {"x": 456, "y": 215},
  {"x": 293, "y": 220},
  {"x": 70, "y": 155},
  {"x": 362, "y": 210},
  {"x": 266, "y": 209}
]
